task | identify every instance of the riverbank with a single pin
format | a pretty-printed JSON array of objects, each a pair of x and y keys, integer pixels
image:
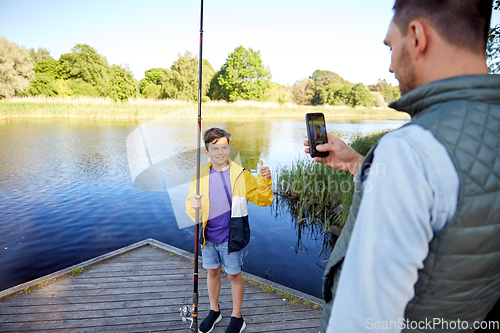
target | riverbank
[{"x": 105, "y": 108}]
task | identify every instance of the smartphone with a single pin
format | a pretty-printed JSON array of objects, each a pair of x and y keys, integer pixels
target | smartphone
[{"x": 316, "y": 133}]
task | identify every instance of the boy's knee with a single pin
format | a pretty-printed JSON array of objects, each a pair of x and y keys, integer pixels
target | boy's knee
[
  {"x": 234, "y": 278},
  {"x": 214, "y": 273}
]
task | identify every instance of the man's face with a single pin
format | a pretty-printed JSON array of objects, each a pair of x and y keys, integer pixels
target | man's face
[
  {"x": 218, "y": 152},
  {"x": 401, "y": 62}
]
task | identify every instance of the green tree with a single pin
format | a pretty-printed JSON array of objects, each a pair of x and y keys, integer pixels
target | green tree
[
  {"x": 333, "y": 94},
  {"x": 360, "y": 96},
  {"x": 63, "y": 88},
  {"x": 122, "y": 84},
  {"x": 82, "y": 88},
  {"x": 493, "y": 46},
  {"x": 184, "y": 76},
  {"x": 381, "y": 86},
  {"x": 16, "y": 68},
  {"x": 180, "y": 81},
  {"x": 42, "y": 84},
  {"x": 276, "y": 93},
  {"x": 152, "y": 91},
  {"x": 389, "y": 92},
  {"x": 215, "y": 91},
  {"x": 325, "y": 82},
  {"x": 243, "y": 76},
  {"x": 40, "y": 55},
  {"x": 157, "y": 76},
  {"x": 303, "y": 91},
  {"x": 48, "y": 66},
  {"x": 324, "y": 78},
  {"x": 378, "y": 99},
  {"x": 84, "y": 63}
]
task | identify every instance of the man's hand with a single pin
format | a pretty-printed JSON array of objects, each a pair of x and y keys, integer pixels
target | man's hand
[
  {"x": 264, "y": 171},
  {"x": 196, "y": 201},
  {"x": 341, "y": 155}
]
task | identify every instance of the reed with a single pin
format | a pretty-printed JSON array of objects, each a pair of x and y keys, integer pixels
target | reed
[
  {"x": 141, "y": 108},
  {"x": 315, "y": 194}
]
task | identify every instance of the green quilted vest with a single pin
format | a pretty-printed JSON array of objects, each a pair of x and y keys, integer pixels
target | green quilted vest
[{"x": 461, "y": 274}]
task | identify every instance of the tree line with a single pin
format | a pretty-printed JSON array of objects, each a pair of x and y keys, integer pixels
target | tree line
[{"x": 243, "y": 76}]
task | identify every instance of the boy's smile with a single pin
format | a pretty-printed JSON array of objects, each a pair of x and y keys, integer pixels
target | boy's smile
[{"x": 218, "y": 152}]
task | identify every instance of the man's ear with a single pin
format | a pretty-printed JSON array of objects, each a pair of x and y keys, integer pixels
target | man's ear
[
  {"x": 418, "y": 35},
  {"x": 206, "y": 153}
]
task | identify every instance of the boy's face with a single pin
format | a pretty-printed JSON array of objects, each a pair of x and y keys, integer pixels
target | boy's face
[{"x": 218, "y": 152}]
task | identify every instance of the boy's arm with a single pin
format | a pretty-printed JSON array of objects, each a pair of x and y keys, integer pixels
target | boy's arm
[{"x": 259, "y": 191}]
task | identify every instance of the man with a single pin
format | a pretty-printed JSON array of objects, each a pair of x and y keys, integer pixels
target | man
[{"x": 420, "y": 250}]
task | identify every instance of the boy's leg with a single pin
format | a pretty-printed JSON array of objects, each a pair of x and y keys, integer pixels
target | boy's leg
[
  {"x": 212, "y": 263},
  {"x": 213, "y": 284},
  {"x": 237, "y": 291}
]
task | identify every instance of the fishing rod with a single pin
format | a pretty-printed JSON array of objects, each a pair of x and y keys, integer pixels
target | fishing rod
[{"x": 186, "y": 312}]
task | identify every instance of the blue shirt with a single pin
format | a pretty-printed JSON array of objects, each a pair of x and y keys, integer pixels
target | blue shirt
[
  {"x": 411, "y": 191},
  {"x": 219, "y": 215}
]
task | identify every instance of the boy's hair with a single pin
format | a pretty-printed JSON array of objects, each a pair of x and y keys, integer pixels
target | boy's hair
[
  {"x": 461, "y": 22},
  {"x": 214, "y": 134}
]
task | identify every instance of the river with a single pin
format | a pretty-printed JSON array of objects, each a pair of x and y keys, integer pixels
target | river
[{"x": 66, "y": 195}]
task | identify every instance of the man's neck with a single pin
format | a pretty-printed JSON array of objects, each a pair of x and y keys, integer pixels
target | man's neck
[{"x": 455, "y": 62}]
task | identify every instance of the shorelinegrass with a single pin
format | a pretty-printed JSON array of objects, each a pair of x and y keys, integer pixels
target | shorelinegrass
[
  {"x": 292, "y": 300},
  {"x": 77, "y": 270},
  {"x": 316, "y": 194},
  {"x": 140, "y": 108}
]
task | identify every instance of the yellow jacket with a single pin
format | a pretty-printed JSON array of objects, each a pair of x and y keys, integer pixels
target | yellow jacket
[{"x": 244, "y": 188}]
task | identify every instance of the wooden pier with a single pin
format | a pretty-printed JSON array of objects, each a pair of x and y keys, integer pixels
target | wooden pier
[{"x": 140, "y": 288}]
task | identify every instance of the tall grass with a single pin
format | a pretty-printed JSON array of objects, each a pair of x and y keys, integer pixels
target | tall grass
[
  {"x": 92, "y": 107},
  {"x": 316, "y": 194}
]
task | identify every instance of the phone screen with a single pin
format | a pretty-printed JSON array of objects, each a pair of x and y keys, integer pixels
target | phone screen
[{"x": 316, "y": 133}]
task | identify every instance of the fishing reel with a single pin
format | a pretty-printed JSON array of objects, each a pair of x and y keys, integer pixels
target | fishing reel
[{"x": 187, "y": 314}]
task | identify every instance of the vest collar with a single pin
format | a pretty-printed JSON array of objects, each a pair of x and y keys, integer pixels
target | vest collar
[{"x": 482, "y": 88}]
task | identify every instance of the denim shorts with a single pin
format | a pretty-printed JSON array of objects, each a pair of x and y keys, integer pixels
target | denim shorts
[{"x": 216, "y": 254}]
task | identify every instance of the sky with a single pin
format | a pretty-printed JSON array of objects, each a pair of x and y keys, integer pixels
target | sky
[{"x": 294, "y": 38}]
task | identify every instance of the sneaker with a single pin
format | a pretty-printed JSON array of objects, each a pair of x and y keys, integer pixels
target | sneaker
[
  {"x": 209, "y": 322},
  {"x": 236, "y": 325}
]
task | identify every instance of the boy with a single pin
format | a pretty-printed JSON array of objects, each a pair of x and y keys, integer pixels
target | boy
[{"x": 225, "y": 188}]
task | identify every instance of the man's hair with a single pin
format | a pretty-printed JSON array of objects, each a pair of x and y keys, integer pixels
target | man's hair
[
  {"x": 214, "y": 134},
  {"x": 461, "y": 22}
]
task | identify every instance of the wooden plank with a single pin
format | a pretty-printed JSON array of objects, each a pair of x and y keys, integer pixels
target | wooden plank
[
  {"x": 56, "y": 321},
  {"x": 148, "y": 309},
  {"x": 23, "y": 301},
  {"x": 225, "y": 303},
  {"x": 66, "y": 271},
  {"x": 141, "y": 290}
]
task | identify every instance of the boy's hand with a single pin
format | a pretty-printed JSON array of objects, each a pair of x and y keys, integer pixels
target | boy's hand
[
  {"x": 196, "y": 201},
  {"x": 264, "y": 171}
]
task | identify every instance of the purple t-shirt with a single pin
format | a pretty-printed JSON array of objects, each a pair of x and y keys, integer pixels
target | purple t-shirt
[{"x": 217, "y": 229}]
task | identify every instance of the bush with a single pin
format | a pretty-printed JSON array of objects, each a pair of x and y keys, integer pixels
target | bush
[
  {"x": 152, "y": 91},
  {"x": 42, "y": 84},
  {"x": 80, "y": 87}
]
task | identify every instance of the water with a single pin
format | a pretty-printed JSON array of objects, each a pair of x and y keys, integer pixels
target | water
[{"x": 66, "y": 195}]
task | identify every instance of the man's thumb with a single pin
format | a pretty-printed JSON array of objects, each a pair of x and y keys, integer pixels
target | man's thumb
[{"x": 261, "y": 163}]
